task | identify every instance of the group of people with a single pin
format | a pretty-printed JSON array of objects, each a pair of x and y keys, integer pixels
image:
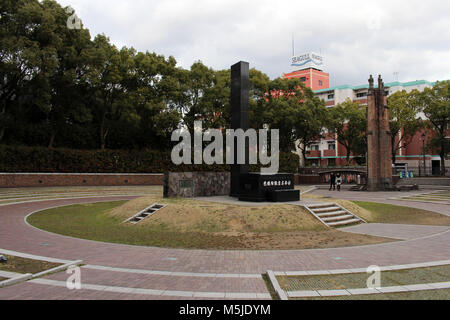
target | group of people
[{"x": 335, "y": 181}]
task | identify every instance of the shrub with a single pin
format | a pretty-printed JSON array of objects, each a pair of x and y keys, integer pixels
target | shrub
[{"x": 44, "y": 160}]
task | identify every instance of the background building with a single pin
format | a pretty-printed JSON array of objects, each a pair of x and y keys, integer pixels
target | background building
[
  {"x": 328, "y": 151},
  {"x": 309, "y": 69}
]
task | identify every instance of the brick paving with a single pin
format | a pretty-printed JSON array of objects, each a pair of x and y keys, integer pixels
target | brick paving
[
  {"x": 16, "y": 235},
  {"x": 396, "y": 231},
  {"x": 166, "y": 282}
]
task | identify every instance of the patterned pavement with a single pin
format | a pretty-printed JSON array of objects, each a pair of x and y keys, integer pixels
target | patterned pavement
[{"x": 187, "y": 274}]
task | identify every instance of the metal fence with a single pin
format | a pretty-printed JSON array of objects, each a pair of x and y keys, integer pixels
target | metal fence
[
  {"x": 422, "y": 172},
  {"x": 410, "y": 170}
]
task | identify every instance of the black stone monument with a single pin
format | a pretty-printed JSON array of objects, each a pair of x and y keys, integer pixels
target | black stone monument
[{"x": 246, "y": 186}]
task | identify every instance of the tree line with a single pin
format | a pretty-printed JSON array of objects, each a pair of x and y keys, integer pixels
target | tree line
[{"x": 59, "y": 87}]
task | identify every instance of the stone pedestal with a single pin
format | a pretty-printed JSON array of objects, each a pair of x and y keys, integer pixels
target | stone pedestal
[{"x": 256, "y": 187}]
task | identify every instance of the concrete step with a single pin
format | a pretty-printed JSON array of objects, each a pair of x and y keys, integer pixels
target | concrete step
[
  {"x": 330, "y": 209},
  {"x": 338, "y": 218},
  {"x": 145, "y": 213},
  {"x": 332, "y": 214},
  {"x": 343, "y": 223},
  {"x": 321, "y": 206}
]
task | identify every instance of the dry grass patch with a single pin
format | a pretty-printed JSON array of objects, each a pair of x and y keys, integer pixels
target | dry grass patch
[
  {"x": 184, "y": 215},
  {"x": 23, "y": 265},
  {"x": 195, "y": 224}
]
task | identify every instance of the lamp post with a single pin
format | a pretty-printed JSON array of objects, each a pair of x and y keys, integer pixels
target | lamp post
[{"x": 423, "y": 150}]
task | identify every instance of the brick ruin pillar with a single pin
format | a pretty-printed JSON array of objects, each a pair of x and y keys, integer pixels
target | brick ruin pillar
[{"x": 379, "y": 154}]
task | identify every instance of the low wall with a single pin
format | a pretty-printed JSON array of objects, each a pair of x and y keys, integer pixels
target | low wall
[
  {"x": 307, "y": 179},
  {"x": 426, "y": 181},
  {"x": 15, "y": 180},
  {"x": 196, "y": 184}
]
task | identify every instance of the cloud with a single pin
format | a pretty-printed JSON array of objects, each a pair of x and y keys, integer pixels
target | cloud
[{"x": 357, "y": 38}]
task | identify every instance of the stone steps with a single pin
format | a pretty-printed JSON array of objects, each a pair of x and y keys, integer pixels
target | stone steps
[
  {"x": 344, "y": 223},
  {"x": 338, "y": 218},
  {"x": 326, "y": 210},
  {"x": 145, "y": 213},
  {"x": 333, "y": 215}
]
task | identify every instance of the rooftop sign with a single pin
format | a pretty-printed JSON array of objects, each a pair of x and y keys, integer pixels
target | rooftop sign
[{"x": 306, "y": 61}]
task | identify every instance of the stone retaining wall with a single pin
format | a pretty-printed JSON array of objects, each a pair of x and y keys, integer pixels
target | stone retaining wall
[{"x": 196, "y": 184}]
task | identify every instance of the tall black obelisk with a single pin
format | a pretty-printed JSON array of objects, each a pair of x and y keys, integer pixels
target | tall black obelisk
[{"x": 240, "y": 86}]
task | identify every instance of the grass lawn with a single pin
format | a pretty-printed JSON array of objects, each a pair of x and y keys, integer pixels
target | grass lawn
[
  {"x": 443, "y": 294},
  {"x": 358, "y": 280},
  {"x": 23, "y": 265},
  {"x": 187, "y": 223},
  {"x": 387, "y": 213}
]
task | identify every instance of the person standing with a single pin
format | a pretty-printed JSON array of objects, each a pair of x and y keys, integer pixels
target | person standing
[
  {"x": 338, "y": 181},
  {"x": 332, "y": 181}
]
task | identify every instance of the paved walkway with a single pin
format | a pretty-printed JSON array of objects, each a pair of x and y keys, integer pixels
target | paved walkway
[
  {"x": 396, "y": 231},
  {"x": 227, "y": 272},
  {"x": 383, "y": 197}
]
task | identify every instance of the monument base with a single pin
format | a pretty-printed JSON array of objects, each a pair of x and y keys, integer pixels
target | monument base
[
  {"x": 380, "y": 185},
  {"x": 257, "y": 187}
]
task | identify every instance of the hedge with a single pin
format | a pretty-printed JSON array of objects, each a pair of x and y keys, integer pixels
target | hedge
[{"x": 15, "y": 159}]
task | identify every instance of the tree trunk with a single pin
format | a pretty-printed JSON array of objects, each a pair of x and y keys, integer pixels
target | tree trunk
[
  {"x": 394, "y": 151},
  {"x": 304, "y": 157},
  {"x": 2, "y": 114},
  {"x": 102, "y": 134},
  {"x": 442, "y": 164},
  {"x": 52, "y": 139}
]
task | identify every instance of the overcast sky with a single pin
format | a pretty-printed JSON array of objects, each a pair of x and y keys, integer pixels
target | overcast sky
[{"x": 357, "y": 38}]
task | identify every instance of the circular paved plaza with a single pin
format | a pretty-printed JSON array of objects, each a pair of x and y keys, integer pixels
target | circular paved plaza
[{"x": 115, "y": 271}]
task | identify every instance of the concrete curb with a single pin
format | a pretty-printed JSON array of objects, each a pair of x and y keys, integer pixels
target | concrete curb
[
  {"x": 163, "y": 293},
  {"x": 366, "y": 291},
  {"x": 56, "y": 269},
  {"x": 281, "y": 293},
  {"x": 21, "y": 278},
  {"x": 32, "y": 256},
  {"x": 363, "y": 270}
]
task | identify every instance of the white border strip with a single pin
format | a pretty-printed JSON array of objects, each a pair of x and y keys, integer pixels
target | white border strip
[
  {"x": 363, "y": 270},
  {"x": 309, "y": 190},
  {"x": 32, "y": 256},
  {"x": 366, "y": 291},
  {"x": 71, "y": 198},
  {"x": 152, "y": 292},
  {"x": 281, "y": 293},
  {"x": 7, "y": 274},
  {"x": 174, "y": 274},
  {"x": 57, "y": 269},
  {"x": 10, "y": 282}
]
